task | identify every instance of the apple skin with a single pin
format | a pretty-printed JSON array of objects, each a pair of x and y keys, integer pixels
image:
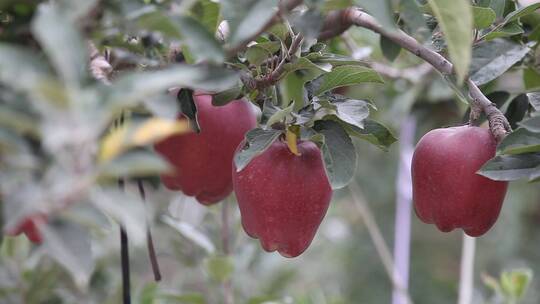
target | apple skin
[
  {"x": 283, "y": 197},
  {"x": 202, "y": 161},
  {"x": 29, "y": 226},
  {"x": 447, "y": 190}
]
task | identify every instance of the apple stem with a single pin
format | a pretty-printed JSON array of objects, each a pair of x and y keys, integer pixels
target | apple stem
[
  {"x": 402, "y": 227},
  {"x": 466, "y": 282},
  {"x": 378, "y": 240},
  {"x": 225, "y": 240},
  {"x": 149, "y": 239},
  {"x": 339, "y": 21}
]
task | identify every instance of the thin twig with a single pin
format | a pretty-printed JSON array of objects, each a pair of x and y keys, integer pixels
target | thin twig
[
  {"x": 149, "y": 240},
  {"x": 339, "y": 21},
  {"x": 378, "y": 240},
  {"x": 273, "y": 77},
  {"x": 225, "y": 240}
]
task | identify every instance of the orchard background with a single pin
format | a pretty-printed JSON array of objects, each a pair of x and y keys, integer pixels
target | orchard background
[{"x": 89, "y": 89}]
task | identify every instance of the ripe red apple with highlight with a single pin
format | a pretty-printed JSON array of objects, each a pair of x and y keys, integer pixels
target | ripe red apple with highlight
[
  {"x": 202, "y": 161},
  {"x": 283, "y": 197},
  {"x": 447, "y": 191},
  {"x": 29, "y": 226}
]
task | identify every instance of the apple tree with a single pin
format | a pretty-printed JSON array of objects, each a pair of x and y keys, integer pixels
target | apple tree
[{"x": 159, "y": 151}]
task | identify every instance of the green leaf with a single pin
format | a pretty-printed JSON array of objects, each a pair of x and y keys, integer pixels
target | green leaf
[
  {"x": 152, "y": 19},
  {"x": 412, "y": 15},
  {"x": 347, "y": 75},
  {"x": 69, "y": 245},
  {"x": 17, "y": 63},
  {"x": 256, "y": 54},
  {"x": 352, "y": 111},
  {"x": 202, "y": 44},
  {"x": 148, "y": 293},
  {"x": 498, "y": 7},
  {"x": 191, "y": 233},
  {"x": 389, "y": 49},
  {"x": 492, "y": 58},
  {"x": 517, "y": 109},
  {"x": 292, "y": 88},
  {"x": 520, "y": 141},
  {"x": 534, "y": 100},
  {"x": 531, "y": 79},
  {"x": 483, "y": 17},
  {"x": 138, "y": 163},
  {"x": 207, "y": 13},
  {"x": 219, "y": 268},
  {"x": 456, "y": 20},
  {"x": 512, "y": 167},
  {"x": 514, "y": 283},
  {"x": 19, "y": 121},
  {"x": 62, "y": 43},
  {"x": 280, "y": 115},
  {"x": 247, "y": 17},
  {"x": 508, "y": 30},
  {"x": 373, "y": 132},
  {"x": 338, "y": 152},
  {"x": 189, "y": 298},
  {"x": 131, "y": 89},
  {"x": 125, "y": 208},
  {"x": 257, "y": 141},
  {"x": 381, "y": 10},
  {"x": 224, "y": 97},
  {"x": 515, "y": 15}
]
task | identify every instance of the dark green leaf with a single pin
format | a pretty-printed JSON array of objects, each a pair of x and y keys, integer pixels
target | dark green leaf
[
  {"x": 512, "y": 167},
  {"x": 188, "y": 107},
  {"x": 520, "y": 141},
  {"x": 492, "y": 58},
  {"x": 517, "y": 109},
  {"x": 64, "y": 46},
  {"x": 389, "y": 49},
  {"x": 246, "y": 17},
  {"x": 346, "y": 75},
  {"x": 338, "y": 152},
  {"x": 292, "y": 89},
  {"x": 257, "y": 141},
  {"x": 456, "y": 21},
  {"x": 483, "y": 17},
  {"x": 202, "y": 44}
]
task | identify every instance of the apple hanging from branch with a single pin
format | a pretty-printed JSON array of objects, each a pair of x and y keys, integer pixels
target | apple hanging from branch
[
  {"x": 202, "y": 161},
  {"x": 447, "y": 191}
]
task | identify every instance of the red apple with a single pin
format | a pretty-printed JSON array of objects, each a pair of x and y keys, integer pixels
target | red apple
[
  {"x": 283, "y": 197},
  {"x": 29, "y": 226},
  {"x": 202, "y": 161},
  {"x": 447, "y": 190}
]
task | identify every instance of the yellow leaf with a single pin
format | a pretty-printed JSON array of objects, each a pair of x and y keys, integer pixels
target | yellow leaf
[
  {"x": 292, "y": 141},
  {"x": 148, "y": 132},
  {"x": 155, "y": 129}
]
